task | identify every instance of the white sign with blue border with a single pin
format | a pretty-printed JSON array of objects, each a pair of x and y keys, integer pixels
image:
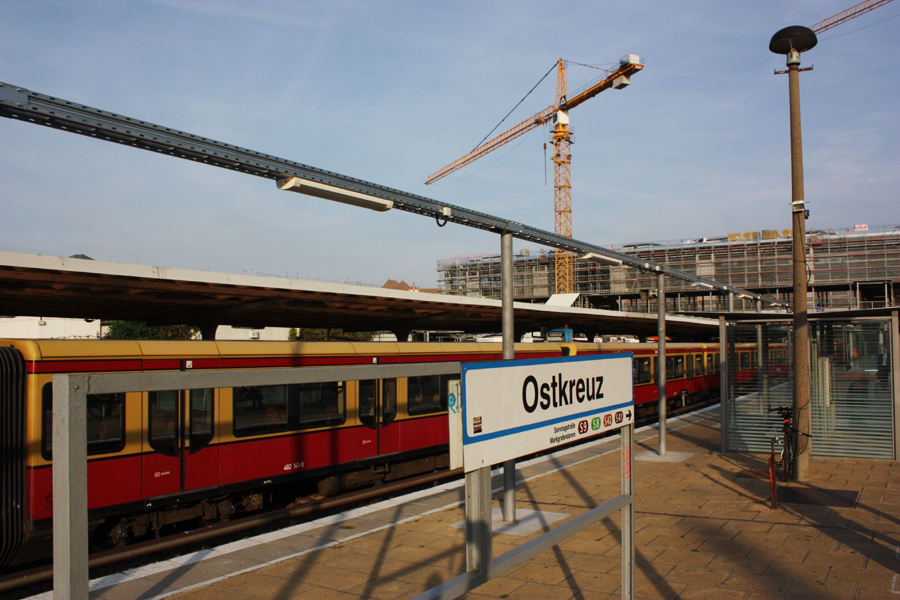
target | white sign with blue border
[{"x": 519, "y": 407}]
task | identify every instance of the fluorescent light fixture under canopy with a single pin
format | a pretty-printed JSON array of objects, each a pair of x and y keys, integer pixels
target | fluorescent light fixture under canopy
[{"x": 330, "y": 192}]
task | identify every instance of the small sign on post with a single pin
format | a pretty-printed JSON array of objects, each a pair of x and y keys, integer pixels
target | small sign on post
[{"x": 515, "y": 408}]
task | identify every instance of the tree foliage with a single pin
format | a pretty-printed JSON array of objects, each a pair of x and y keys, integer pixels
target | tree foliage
[
  {"x": 321, "y": 335},
  {"x": 136, "y": 330}
]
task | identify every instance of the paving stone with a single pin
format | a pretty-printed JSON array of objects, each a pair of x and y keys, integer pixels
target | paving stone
[
  {"x": 797, "y": 571},
  {"x": 693, "y": 592},
  {"x": 768, "y": 584},
  {"x": 869, "y": 578},
  {"x": 685, "y": 558},
  {"x": 836, "y": 559},
  {"x": 273, "y": 588},
  {"x": 384, "y": 589},
  {"x": 212, "y": 593},
  {"x": 821, "y": 591},
  {"x": 697, "y": 576},
  {"x": 533, "y": 590}
]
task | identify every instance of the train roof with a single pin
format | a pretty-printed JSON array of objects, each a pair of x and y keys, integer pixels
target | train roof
[{"x": 34, "y": 350}]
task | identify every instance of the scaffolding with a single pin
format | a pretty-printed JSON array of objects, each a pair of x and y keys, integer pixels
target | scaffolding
[
  {"x": 851, "y": 268},
  {"x": 478, "y": 275}
]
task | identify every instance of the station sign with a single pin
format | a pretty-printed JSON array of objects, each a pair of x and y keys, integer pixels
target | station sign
[{"x": 514, "y": 408}]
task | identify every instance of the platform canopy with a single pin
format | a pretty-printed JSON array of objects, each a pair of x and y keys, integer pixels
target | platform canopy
[{"x": 49, "y": 286}]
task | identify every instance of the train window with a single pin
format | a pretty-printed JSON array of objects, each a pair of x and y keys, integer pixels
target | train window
[
  {"x": 163, "y": 422},
  {"x": 712, "y": 365},
  {"x": 674, "y": 367},
  {"x": 426, "y": 394},
  {"x": 642, "y": 372},
  {"x": 744, "y": 360},
  {"x": 276, "y": 408},
  {"x": 319, "y": 404},
  {"x": 105, "y": 423},
  {"x": 260, "y": 409},
  {"x": 698, "y": 365},
  {"x": 201, "y": 418}
]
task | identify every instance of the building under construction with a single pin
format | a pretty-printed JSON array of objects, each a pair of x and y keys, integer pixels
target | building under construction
[{"x": 851, "y": 268}]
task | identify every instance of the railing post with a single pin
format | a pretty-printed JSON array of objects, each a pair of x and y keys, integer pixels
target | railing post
[
  {"x": 479, "y": 544},
  {"x": 628, "y": 539},
  {"x": 895, "y": 379},
  {"x": 661, "y": 372},
  {"x": 724, "y": 406},
  {"x": 70, "y": 502},
  {"x": 507, "y": 276}
]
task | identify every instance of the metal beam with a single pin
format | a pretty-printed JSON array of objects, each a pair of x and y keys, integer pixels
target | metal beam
[{"x": 33, "y": 107}]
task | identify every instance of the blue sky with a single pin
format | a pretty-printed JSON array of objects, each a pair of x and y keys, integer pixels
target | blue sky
[{"x": 390, "y": 92}]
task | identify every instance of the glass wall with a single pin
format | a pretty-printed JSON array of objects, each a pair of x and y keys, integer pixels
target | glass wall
[{"x": 850, "y": 381}]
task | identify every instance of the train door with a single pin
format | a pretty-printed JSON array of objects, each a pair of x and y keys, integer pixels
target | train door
[
  {"x": 177, "y": 454},
  {"x": 698, "y": 383},
  {"x": 377, "y": 411}
]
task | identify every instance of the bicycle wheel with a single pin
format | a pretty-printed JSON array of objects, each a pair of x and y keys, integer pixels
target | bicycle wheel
[{"x": 787, "y": 458}]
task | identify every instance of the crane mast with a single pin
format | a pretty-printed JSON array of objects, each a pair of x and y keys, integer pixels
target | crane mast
[{"x": 561, "y": 137}]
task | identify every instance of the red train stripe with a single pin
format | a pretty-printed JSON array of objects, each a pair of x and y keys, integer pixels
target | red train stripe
[{"x": 83, "y": 366}]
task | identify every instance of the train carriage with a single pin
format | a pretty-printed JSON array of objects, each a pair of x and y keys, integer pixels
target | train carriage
[{"x": 160, "y": 458}]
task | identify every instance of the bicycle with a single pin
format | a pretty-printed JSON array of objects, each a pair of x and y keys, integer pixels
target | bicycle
[{"x": 786, "y": 462}]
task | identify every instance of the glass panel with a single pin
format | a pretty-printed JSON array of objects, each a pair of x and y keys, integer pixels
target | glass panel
[
  {"x": 47, "y": 421},
  {"x": 320, "y": 404},
  {"x": 642, "y": 367},
  {"x": 851, "y": 389},
  {"x": 201, "y": 418},
  {"x": 367, "y": 403},
  {"x": 426, "y": 394},
  {"x": 674, "y": 367},
  {"x": 260, "y": 409},
  {"x": 105, "y": 423},
  {"x": 388, "y": 400},
  {"x": 163, "y": 422},
  {"x": 698, "y": 365},
  {"x": 850, "y": 393}
]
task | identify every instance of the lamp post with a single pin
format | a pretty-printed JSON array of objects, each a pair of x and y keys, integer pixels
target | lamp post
[{"x": 791, "y": 41}]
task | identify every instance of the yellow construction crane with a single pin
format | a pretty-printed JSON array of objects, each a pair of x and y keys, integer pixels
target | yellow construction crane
[
  {"x": 557, "y": 116},
  {"x": 850, "y": 13}
]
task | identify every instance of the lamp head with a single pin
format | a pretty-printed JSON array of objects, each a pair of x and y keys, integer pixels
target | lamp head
[{"x": 793, "y": 40}]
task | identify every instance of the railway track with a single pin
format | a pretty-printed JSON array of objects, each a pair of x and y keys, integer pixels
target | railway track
[{"x": 36, "y": 580}]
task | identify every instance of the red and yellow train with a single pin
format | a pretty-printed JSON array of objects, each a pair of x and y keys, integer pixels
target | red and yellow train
[{"x": 156, "y": 459}]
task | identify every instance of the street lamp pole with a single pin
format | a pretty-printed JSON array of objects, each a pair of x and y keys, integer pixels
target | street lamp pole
[{"x": 791, "y": 41}]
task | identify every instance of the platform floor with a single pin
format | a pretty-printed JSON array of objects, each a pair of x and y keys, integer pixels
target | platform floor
[{"x": 705, "y": 530}]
